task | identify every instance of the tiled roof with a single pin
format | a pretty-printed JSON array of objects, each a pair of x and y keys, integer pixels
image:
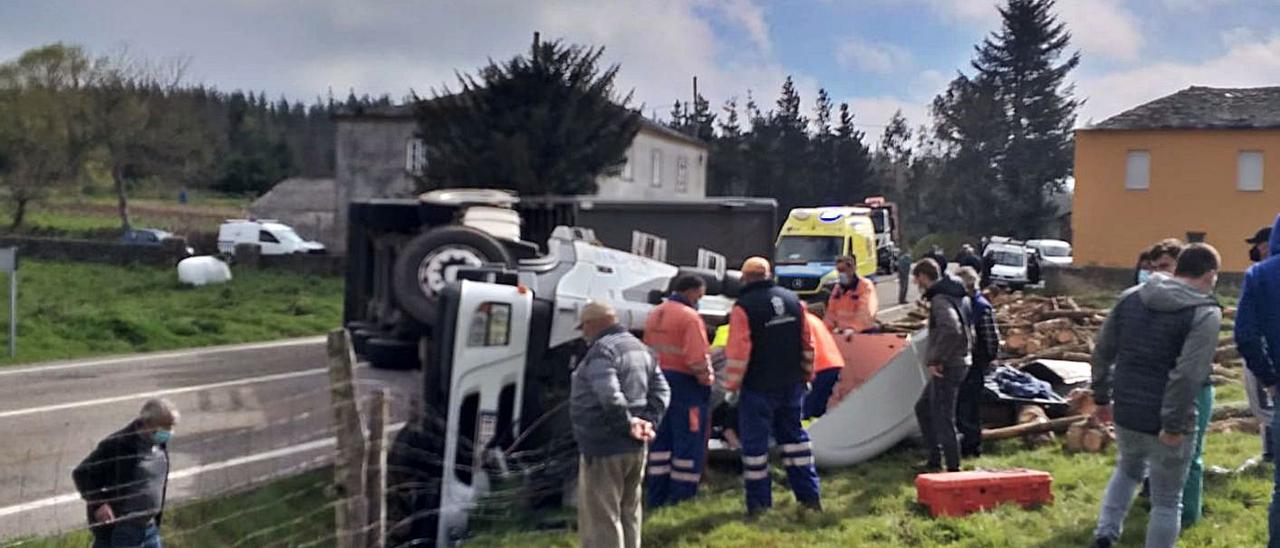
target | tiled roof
[{"x": 1203, "y": 108}]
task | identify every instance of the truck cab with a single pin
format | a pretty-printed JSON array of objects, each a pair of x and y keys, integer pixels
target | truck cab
[{"x": 812, "y": 239}]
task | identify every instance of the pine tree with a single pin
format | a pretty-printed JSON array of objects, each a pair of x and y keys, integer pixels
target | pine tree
[
  {"x": 1028, "y": 63},
  {"x": 547, "y": 122},
  {"x": 893, "y": 157},
  {"x": 853, "y": 165},
  {"x": 726, "y": 168}
]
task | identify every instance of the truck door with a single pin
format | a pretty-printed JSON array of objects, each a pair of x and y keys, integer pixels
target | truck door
[{"x": 484, "y": 366}]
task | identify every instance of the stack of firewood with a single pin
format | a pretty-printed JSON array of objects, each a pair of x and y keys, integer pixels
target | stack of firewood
[{"x": 1038, "y": 327}]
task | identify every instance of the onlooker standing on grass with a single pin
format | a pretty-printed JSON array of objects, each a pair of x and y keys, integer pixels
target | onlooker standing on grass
[
  {"x": 125, "y": 479},
  {"x": 948, "y": 358},
  {"x": 1153, "y": 355},
  {"x": 1257, "y": 334},
  {"x": 986, "y": 346},
  {"x": 618, "y": 395},
  {"x": 1261, "y": 404},
  {"x": 969, "y": 258},
  {"x": 904, "y": 275}
]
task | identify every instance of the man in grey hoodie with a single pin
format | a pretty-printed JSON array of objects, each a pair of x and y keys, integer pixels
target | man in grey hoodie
[
  {"x": 617, "y": 397},
  {"x": 948, "y": 359},
  {"x": 1154, "y": 353}
]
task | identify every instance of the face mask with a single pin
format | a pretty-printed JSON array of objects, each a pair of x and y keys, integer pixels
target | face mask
[
  {"x": 846, "y": 278},
  {"x": 1143, "y": 276},
  {"x": 161, "y": 437}
]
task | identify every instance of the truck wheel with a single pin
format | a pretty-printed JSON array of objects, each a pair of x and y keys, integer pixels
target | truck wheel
[
  {"x": 431, "y": 260},
  {"x": 391, "y": 353}
]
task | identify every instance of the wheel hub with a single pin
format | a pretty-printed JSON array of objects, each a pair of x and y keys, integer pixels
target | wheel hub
[{"x": 441, "y": 267}]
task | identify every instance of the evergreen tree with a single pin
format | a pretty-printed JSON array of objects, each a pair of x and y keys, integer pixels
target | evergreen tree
[
  {"x": 853, "y": 166},
  {"x": 544, "y": 123},
  {"x": 893, "y": 158},
  {"x": 726, "y": 168},
  {"x": 1027, "y": 62}
]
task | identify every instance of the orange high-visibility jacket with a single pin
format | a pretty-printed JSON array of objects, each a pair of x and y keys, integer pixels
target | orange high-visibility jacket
[
  {"x": 677, "y": 335},
  {"x": 738, "y": 353},
  {"x": 826, "y": 355},
  {"x": 853, "y": 309}
]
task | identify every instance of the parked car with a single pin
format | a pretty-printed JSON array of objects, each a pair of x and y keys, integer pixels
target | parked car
[
  {"x": 274, "y": 237},
  {"x": 150, "y": 237},
  {"x": 1011, "y": 263},
  {"x": 1054, "y": 252}
]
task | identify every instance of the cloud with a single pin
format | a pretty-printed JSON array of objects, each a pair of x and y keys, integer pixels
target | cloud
[
  {"x": 1193, "y": 5},
  {"x": 874, "y": 58},
  {"x": 1243, "y": 65},
  {"x": 1103, "y": 28},
  {"x": 748, "y": 16}
]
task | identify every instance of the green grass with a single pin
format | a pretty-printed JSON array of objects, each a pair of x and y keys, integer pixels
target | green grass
[
  {"x": 96, "y": 217},
  {"x": 873, "y": 504},
  {"x": 70, "y": 310},
  {"x": 285, "y": 512}
]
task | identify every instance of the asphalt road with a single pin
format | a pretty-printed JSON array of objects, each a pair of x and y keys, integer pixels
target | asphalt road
[{"x": 248, "y": 413}]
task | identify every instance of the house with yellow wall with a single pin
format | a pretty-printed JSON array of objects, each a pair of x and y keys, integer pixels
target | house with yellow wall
[{"x": 1202, "y": 164}]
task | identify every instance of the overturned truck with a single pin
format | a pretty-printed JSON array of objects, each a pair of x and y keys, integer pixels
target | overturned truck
[{"x": 454, "y": 283}]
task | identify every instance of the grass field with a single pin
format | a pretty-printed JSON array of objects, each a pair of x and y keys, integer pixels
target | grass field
[
  {"x": 288, "y": 512},
  {"x": 873, "y": 504},
  {"x": 69, "y": 310},
  {"x": 97, "y": 218}
]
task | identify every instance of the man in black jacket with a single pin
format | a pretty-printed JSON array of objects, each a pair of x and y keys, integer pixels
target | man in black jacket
[
  {"x": 123, "y": 481},
  {"x": 948, "y": 358}
]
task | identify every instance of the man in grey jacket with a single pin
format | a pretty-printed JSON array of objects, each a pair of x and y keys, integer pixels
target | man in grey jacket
[
  {"x": 1154, "y": 353},
  {"x": 948, "y": 358},
  {"x": 618, "y": 396}
]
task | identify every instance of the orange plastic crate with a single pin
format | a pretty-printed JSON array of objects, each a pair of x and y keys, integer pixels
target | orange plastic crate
[{"x": 962, "y": 493}]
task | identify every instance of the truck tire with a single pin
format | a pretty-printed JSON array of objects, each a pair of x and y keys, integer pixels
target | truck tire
[
  {"x": 391, "y": 353},
  {"x": 429, "y": 261}
]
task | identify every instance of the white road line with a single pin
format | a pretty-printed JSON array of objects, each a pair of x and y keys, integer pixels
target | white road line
[
  {"x": 163, "y": 355},
  {"x": 191, "y": 472},
  {"x": 162, "y": 393}
]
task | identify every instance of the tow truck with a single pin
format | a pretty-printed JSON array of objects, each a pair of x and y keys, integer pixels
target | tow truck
[{"x": 495, "y": 318}]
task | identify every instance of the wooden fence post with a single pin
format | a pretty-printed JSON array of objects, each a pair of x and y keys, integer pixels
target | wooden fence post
[
  {"x": 376, "y": 470},
  {"x": 351, "y": 516}
]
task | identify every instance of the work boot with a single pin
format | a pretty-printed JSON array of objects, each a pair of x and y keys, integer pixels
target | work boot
[
  {"x": 814, "y": 506},
  {"x": 754, "y": 514},
  {"x": 1102, "y": 542}
]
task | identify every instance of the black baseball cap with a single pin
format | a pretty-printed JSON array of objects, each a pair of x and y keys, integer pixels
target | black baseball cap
[{"x": 1261, "y": 237}]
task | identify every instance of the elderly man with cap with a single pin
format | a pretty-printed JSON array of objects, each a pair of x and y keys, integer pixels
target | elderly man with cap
[
  {"x": 770, "y": 361},
  {"x": 618, "y": 396},
  {"x": 125, "y": 479}
]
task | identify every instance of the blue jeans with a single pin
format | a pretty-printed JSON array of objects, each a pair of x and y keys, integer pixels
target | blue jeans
[
  {"x": 1273, "y": 516},
  {"x": 128, "y": 535},
  {"x": 1140, "y": 454}
]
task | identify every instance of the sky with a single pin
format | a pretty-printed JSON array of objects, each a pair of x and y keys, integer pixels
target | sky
[{"x": 879, "y": 56}]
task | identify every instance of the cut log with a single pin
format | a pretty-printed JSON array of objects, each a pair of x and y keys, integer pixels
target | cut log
[
  {"x": 1097, "y": 438},
  {"x": 1083, "y": 314},
  {"x": 1053, "y": 325},
  {"x": 1015, "y": 342},
  {"x": 1229, "y": 312},
  {"x": 1070, "y": 304},
  {"x": 1052, "y": 425},
  {"x": 1226, "y": 353},
  {"x": 1066, "y": 337},
  {"x": 1231, "y": 411}
]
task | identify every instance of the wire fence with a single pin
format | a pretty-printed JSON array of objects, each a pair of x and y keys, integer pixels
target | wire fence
[{"x": 255, "y": 468}]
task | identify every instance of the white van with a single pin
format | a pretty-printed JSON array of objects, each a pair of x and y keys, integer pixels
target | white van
[
  {"x": 1054, "y": 252},
  {"x": 274, "y": 237}
]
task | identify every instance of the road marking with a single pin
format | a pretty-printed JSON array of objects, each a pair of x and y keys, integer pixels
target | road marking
[
  {"x": 164, "y": 355},
  {"x": 163, "y": 393},
  {"x": 193, "y": 471}
]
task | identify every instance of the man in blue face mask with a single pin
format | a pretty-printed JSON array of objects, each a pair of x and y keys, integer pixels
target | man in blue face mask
[{"x": 124, "y": 480}]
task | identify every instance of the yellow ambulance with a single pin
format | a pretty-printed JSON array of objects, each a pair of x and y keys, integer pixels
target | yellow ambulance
[{"x": 813, "y": 238}]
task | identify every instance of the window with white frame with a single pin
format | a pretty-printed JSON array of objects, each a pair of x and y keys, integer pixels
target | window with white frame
[
  {"x": 415, "y": 156},
  {"x": 655, "y": 174},
  {"x": 682, "y": 174},
  {"x": 1137, "y": 170},
  {"x": 1249, "y": 171},
  {"x": 628, "y": 172}
]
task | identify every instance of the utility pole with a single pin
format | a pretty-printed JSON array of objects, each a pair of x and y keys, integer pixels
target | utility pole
[{"x": 695, "y": 108}]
